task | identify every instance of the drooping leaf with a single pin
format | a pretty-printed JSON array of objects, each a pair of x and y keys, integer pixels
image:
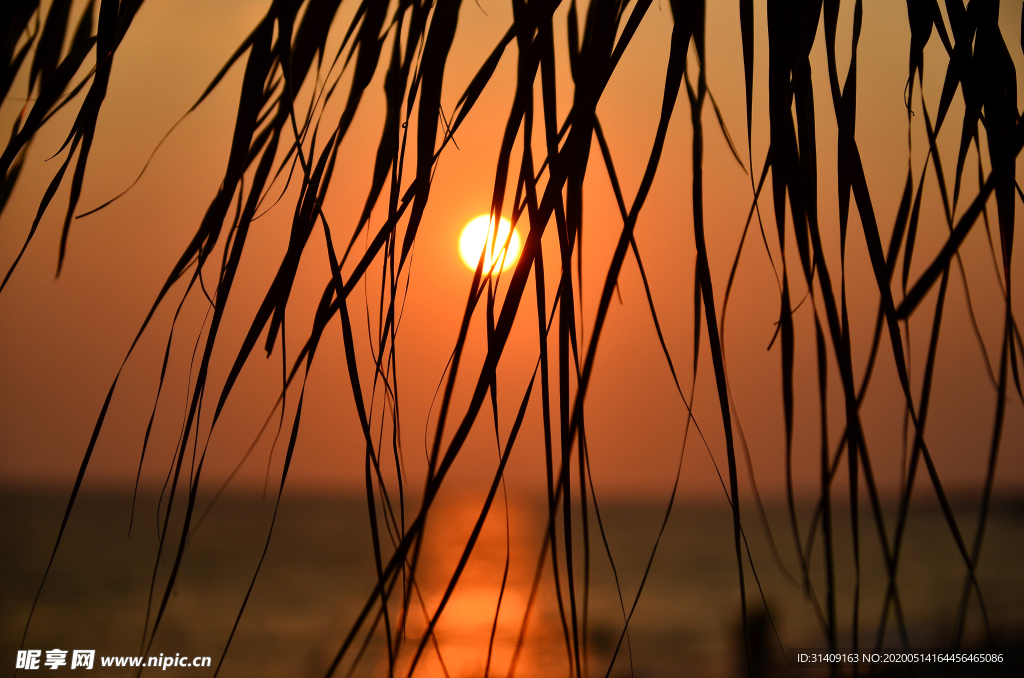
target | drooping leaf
[{"x": 51, "y": 42}]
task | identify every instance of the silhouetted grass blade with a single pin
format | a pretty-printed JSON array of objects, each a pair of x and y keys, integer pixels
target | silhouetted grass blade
[
  {"x": 407, "y": 44},
  {"x": 51, "y": 41},
  {"x": 14, "y": 18}
]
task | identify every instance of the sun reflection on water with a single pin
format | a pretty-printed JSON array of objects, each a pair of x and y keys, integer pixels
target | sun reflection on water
[{"x": 463, "y": 632}]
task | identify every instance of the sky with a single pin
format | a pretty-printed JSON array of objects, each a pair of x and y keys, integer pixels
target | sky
[{"x": 63, "y": 339}]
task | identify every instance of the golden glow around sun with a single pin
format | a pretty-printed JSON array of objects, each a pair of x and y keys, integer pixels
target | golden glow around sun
[{"x": 478, "y": 236}]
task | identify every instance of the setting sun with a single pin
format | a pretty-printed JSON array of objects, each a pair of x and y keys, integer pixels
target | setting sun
[{"x": 478, "y": 236}]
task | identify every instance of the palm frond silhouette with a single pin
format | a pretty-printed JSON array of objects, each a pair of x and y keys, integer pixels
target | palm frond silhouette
[{"x": 295, "y": 111}]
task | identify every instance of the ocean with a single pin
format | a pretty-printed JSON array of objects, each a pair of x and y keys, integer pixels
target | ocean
[{"x": 319, "y": 572}]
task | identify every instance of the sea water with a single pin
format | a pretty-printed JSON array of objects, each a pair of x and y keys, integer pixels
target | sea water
[{"x": 106, "y": 586}]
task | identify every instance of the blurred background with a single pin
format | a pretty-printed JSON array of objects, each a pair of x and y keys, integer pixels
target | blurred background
[{"x": 63, "y": 339}]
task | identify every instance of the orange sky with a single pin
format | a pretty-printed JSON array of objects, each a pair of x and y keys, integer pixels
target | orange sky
[{"x": 61, "y": 341}]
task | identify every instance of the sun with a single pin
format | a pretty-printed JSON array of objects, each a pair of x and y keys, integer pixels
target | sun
[{"x": 478, "y": 236}]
